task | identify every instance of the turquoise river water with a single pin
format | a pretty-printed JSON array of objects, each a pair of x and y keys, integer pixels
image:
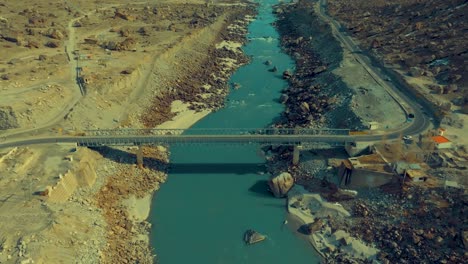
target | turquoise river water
[{"x": 212, "y": 196}]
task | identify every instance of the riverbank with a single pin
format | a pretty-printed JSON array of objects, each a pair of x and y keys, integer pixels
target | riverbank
[
  {"x": 390, "y": 217},
  {"x": 318, "y": 222},
  {"x": 195, "y": 87},
  {"x": 328, "y": 88}
]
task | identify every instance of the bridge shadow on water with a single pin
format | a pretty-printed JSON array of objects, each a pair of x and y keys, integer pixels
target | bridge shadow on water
[
  {"x": 127, "y": 157},
  {"x": 216, "y": 168}
]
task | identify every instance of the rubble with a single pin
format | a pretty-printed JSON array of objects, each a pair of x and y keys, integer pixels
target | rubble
[
  {"x": 7, "y": 117},
  {"x": 407, "y": 224}
]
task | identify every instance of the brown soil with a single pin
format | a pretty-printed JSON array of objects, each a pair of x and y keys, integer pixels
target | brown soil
[{"x": 122, "y": 246}]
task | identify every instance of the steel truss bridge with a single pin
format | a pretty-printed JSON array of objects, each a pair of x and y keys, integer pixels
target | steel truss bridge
[{"x": 137, "y": 137}]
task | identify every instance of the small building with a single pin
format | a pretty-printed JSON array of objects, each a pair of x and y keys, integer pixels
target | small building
[
  {"x": 411, "y": 171},
  {"x": 442, "y": 142},
  {"x": 400, "y": 167},
  {"x": 364, "y": 171},
  {"x": 416, "y": 175},
  {"x": 373, "y": 125},
  {"x": 441, "y": 131}
]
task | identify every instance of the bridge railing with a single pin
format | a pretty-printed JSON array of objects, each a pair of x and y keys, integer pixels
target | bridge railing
[{"x": 216, "y": 131}]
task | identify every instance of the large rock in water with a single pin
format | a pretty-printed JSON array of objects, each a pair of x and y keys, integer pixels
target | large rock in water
[
  {"x": 252, "y": 237},
  {"x": 7, "y": 118},
  {"x": 281, "y": 184}
]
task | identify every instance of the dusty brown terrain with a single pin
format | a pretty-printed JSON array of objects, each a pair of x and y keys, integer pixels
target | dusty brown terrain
[
  {"x": 136, "y": 62},
  {"x": 423, "y": 40},
  {"x": 408, "y": 222}
]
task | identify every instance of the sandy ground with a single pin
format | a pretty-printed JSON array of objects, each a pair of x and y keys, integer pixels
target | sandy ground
[
  {"x": 185, "y": 117},
  {"x": 371, "y": 102},
  {"x": 113, "y": 100}
]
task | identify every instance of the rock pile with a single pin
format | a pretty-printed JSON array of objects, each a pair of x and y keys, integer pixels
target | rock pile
[
  {"x": 308, "y": 101},
  {"x": 417, "y": 227},
  {"x": 122, "y": 245},
  {"x": 7, "y": 118}
]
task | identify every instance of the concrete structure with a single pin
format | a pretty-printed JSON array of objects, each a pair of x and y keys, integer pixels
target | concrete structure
[
  {"x": 411, "y": 171},
  {"x": 442, "y": 142},
  {"x": 373, "y": 125},
  {"x": 416, "y": 175},
  {"x": 364, "y": 171},
  {"x": 400, "y": 167},
  {"x": 441, "y": 131}
]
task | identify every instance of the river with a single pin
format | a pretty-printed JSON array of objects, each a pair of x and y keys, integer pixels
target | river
[{"x": 212, "y": 195}]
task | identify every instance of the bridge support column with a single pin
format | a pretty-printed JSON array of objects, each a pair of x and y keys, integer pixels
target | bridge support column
[
  {"x": 139, "y": 156},
  {"x": 296, "y": 154}
]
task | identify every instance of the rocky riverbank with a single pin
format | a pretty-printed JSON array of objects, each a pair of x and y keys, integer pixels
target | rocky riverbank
[
  {"x": 315, "y": 96},
  {"x": 406, "y": 225},
  {"x": 202, "y": 81}
]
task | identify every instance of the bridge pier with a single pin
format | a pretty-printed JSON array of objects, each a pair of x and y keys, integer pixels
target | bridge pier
[
  {"x": 296, "y": 154},
  {"x": 139, "y": 156}
]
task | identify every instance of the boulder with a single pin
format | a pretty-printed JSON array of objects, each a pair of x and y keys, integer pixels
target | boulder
[
  {"x": 77, "y": 24},
  {"x": 415, "y": 72},
  {"x": 287, "y": 74},
  {"x": 305, "y": 107},
  {"x": 7, "y": 118},
  {"x": 55, "y": 34},
  {"x": 236, "y": 85},
  {"x": 281, "y": 184},
  {"x": 252, "y": 237},
  {"x": 342, "y": 194},
  {"x": 284, "y": 98},
  {"x": 320, "y": 69},
  {"x": 314, "y": 227},
  {"x": 127, "y": 44},
  {"x": 52, "y": 44},
  {"x": 268, "y": 62},
  {"x": 11, "y": 35},
  {"x": 274, "y": 69}
]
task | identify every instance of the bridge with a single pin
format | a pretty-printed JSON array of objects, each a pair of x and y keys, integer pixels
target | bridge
[
  {"x": 300, "y": 137},
  {"x": 137, "y": 137}
]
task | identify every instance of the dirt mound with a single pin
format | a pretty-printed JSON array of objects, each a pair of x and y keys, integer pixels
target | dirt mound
[{"x": 7, "y": 118}]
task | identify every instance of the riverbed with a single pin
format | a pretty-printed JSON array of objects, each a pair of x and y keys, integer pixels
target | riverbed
[{"x": 215, "y": 193}]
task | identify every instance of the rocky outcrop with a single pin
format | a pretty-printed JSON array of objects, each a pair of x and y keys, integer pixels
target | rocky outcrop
[
  {"x": 281, "y": 184},
  {"x": 7, "y": 118},
  {"x": 252, "y": 237}
]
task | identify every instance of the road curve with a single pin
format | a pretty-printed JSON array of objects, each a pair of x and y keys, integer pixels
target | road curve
[{"x": 421, "y": 121}]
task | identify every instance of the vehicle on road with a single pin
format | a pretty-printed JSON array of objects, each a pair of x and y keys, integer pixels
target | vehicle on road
[{"x": 407, "y": 137}]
